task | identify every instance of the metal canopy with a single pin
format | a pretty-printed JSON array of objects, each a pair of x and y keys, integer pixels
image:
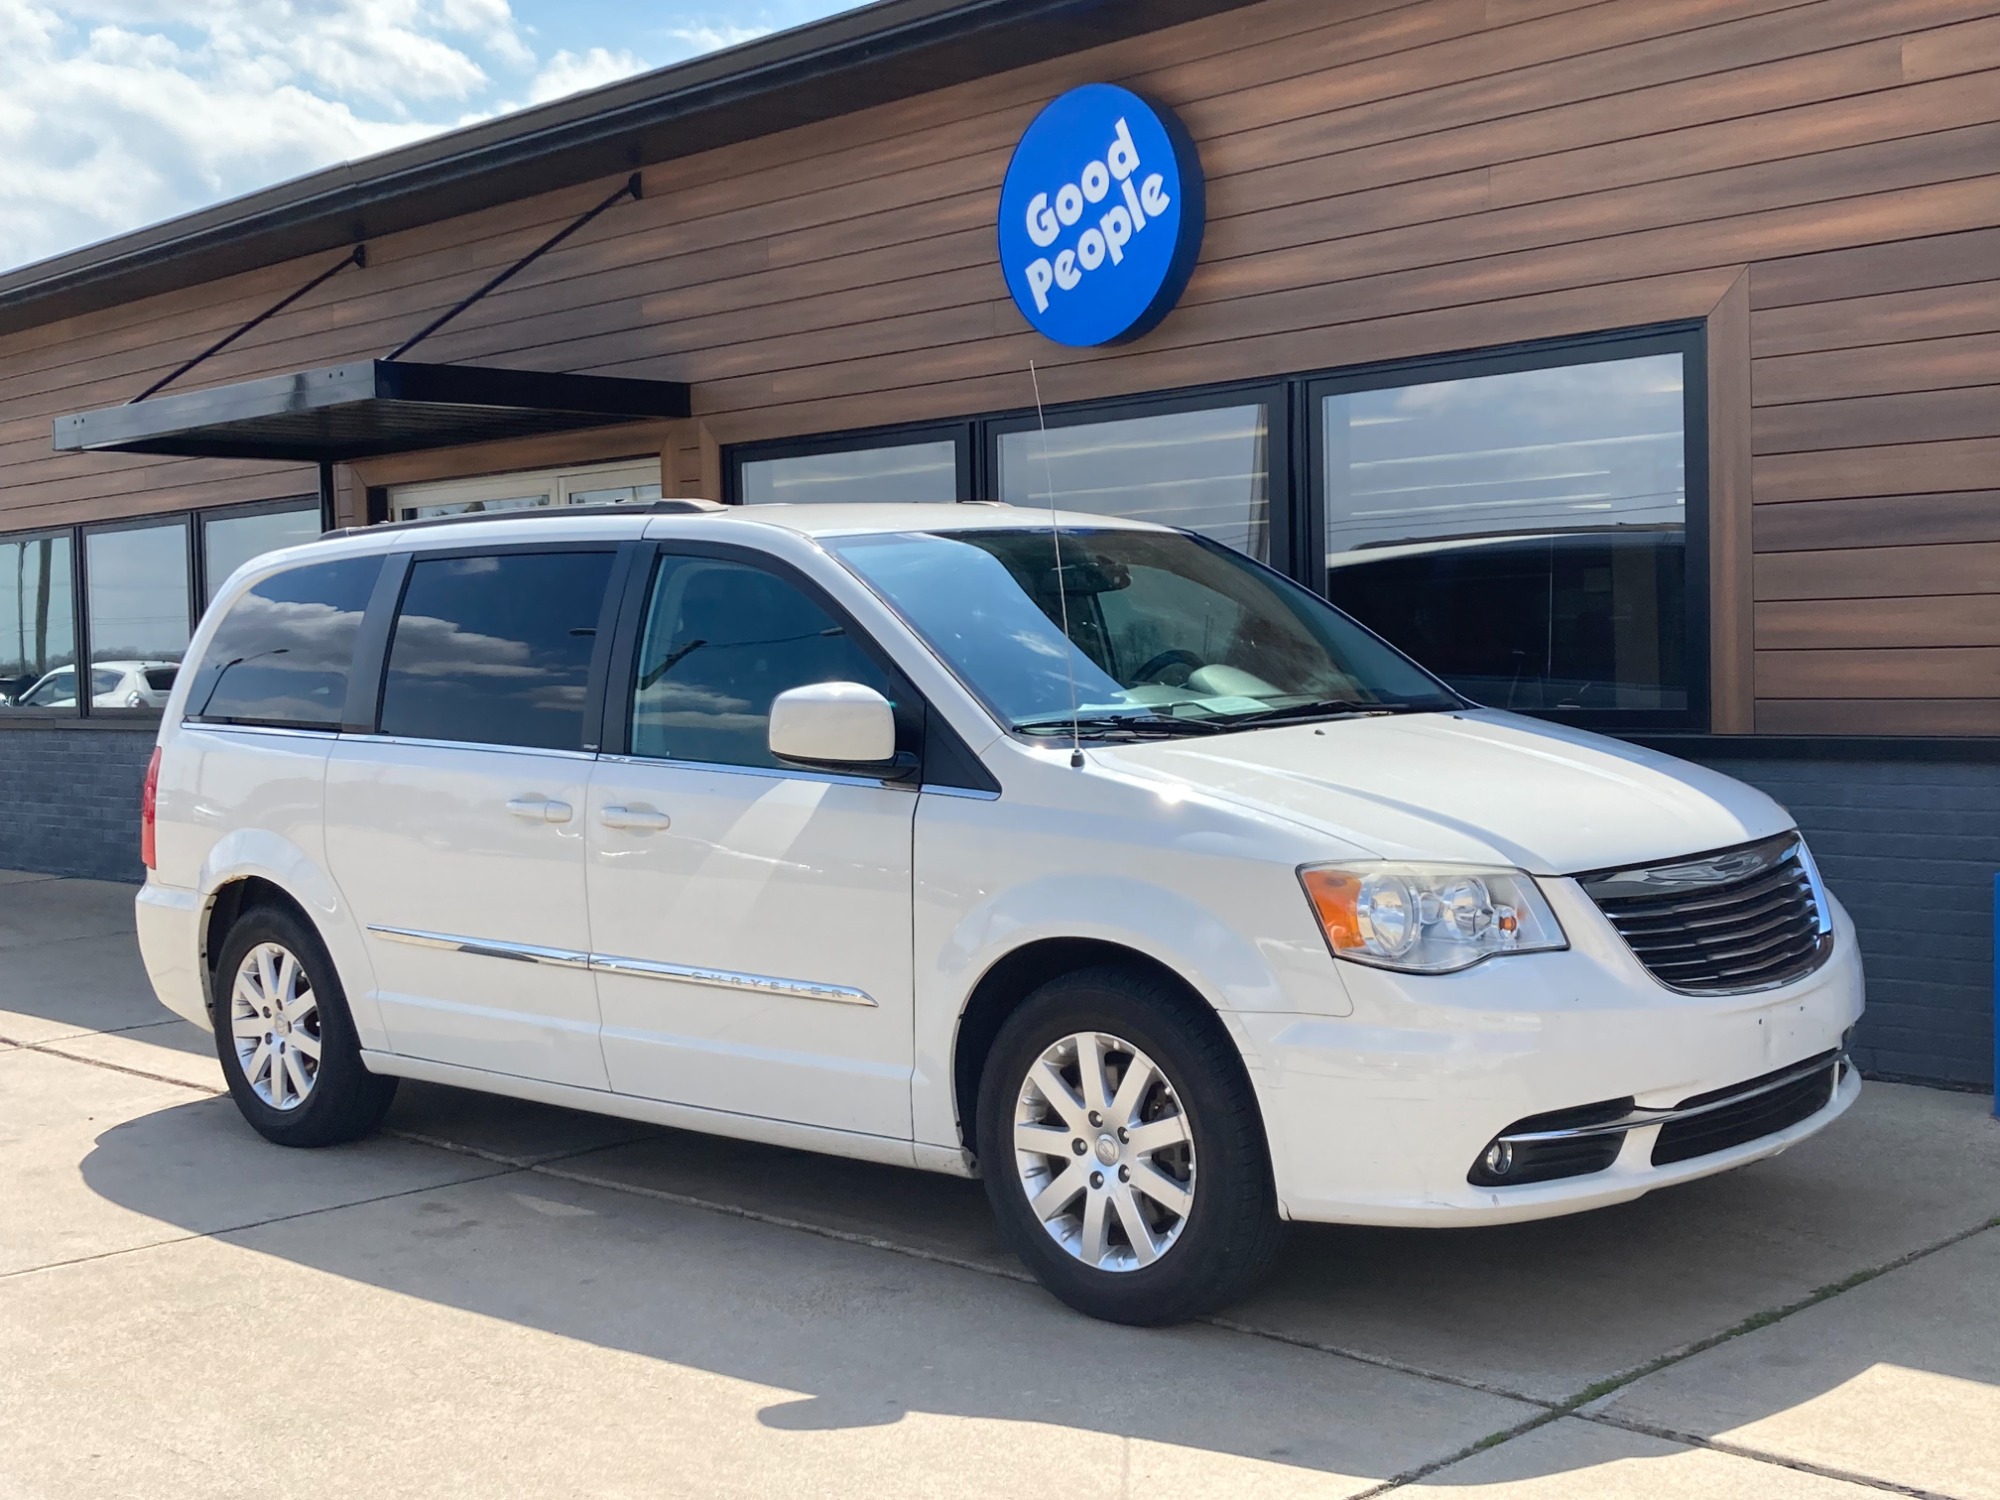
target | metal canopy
[{"x": 366, "y": 409}]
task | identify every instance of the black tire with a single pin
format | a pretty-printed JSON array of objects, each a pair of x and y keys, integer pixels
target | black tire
[
  {"x": 1230, "y": 1234},
  {"x": 345, "y": 1101}
]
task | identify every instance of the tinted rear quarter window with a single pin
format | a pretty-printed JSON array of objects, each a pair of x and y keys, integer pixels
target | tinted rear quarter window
[
  {"x": 282, "y": 654},
  {"x": 496, "y": 650}
]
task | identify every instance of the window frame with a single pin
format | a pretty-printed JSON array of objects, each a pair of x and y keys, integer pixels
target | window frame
[
  {"x": 1296, "y": 444},
  {"x": 944, "y": 761},
  {"x": 195, "y": 519},
  {"x": 86, "y": 633},
  {"x": 367, "y": 686},
  {"x": 356, "y": 662},
  {"x": 1273, "y": 395},
  {"x": 1685, "y": 340},
  {"x": 303, "y": 504},
  {"x": 46, "y": 716},
  {"x": 961, "y": 435}
]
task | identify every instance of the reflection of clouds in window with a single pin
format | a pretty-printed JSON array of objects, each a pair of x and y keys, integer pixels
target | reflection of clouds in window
[
  {"x": 903, "y": 472},
  {"x": 1575, "y": 448},
  {"x": 318, "y": 637},
  {"x": 440, "y": 648},
  {"x": 1207, "y": 471},
  {"x": 138, "y": 593}
]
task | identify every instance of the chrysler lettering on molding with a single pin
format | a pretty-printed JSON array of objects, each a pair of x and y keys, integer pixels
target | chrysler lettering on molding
[{"x": 1101, "y": 216}]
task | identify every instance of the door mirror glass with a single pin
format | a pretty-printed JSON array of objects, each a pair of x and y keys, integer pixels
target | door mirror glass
[{"x": 833, "y": 724}]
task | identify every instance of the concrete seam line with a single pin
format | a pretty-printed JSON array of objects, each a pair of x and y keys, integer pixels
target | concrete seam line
[
  {"x": 1382, "y": 1362},
  {"x": 98, "y": 1062},
  {"x": 211, "y": 1234},
  {"x": 1605, "y": 1387},
  {"x": 824, "y": 1231},
  {"x": 1777, "y": 1460},
  {"x": 1491, "y": 1440}
]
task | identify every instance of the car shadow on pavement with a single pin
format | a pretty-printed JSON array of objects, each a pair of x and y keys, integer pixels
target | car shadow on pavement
[{"x": 1542, "y": 1311}]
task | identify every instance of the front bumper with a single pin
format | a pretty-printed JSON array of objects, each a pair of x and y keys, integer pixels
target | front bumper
[{"x": 1378, "y": 1117}]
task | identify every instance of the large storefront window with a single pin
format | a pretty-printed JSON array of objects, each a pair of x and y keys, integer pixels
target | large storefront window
[
  {"x": 1522, "y": 534},
  {"x": 1524, "y": 522},
  {"x": 926, "y": 471},
  {"x": 229, "y": 540},
  {"x": 1208, "y": 470},
  {"x": 137, "y": 616},
  {"x": 37, "y": 623}
]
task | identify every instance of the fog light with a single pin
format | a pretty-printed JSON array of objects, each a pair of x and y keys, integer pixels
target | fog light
[{"x": 1500, "y": 1158}]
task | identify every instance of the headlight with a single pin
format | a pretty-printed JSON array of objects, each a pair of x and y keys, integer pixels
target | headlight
[{"x": 1429, "y": 919}]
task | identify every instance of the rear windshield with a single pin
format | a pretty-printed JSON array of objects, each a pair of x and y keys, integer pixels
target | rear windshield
[
  {"x": 282, "y": 654},
  {"x": 161, "y": 679}
]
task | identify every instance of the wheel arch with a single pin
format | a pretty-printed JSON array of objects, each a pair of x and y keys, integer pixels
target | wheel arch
[
  {"x": 1017, "y": 974},
  {"x": 226, "y": 905}
]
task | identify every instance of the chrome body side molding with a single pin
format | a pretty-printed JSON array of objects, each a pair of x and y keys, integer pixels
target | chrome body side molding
[{"x": 637, "y": 968}]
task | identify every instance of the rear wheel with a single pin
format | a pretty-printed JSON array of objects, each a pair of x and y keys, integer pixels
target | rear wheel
[
  {"x": 286, "y": 1042},
  {"x": 1123, "y": 1152}
]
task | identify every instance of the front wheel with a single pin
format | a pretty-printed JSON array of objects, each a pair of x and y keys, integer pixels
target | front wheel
[
  {"x": 1123, "y": 1152},
  {"x": 286, "y": 1042}
]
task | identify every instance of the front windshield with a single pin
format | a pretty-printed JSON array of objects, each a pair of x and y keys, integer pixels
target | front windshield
[{"x": 1167, "y": 632}]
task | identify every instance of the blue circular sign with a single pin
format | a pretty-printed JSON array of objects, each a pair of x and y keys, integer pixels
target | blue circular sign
[{"x": 1101, "y": 216}]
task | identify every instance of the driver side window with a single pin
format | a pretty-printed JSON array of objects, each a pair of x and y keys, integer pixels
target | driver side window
[{"x": 721, "y": 640}]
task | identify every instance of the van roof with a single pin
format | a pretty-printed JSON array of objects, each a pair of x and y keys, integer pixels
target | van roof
[{"x": 696, "y": 518}]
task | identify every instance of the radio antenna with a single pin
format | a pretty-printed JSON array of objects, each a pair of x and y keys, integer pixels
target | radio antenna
[{"x": 1062, "y": 588}]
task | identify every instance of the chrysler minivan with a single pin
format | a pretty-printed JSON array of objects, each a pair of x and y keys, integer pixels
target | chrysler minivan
[{"x": 1095, "y": 860}]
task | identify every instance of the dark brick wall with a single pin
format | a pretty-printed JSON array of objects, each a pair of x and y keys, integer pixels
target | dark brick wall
[
  {"x": 1911, "y": 849},
  {"x": 69, "y": 801}
]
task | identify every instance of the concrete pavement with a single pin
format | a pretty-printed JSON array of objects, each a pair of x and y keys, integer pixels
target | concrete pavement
[{"x": 498, "y": 1297}]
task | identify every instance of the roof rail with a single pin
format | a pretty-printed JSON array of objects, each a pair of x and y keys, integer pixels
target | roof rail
[{"x": 688, "y": 507}]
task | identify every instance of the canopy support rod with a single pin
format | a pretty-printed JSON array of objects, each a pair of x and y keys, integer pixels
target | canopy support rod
[
  {"x": 358, "y": 256},
  {"x": 629, "y": 190}
]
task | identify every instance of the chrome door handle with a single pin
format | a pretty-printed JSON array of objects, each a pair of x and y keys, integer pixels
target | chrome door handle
[
  {"x": 541, "y": 810},
  {"x": 637, "y": 819}
]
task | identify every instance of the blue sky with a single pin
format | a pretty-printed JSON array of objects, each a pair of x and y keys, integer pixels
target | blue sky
[{"x": 119, "y": 113}]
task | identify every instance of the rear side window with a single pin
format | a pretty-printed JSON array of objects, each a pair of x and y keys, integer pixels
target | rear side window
[
  {"x": 496, "y": 650},
  {"x": 282, "y": 654}
]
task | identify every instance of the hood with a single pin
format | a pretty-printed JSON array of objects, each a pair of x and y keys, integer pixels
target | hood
[{"x": 1475, "y": 786}]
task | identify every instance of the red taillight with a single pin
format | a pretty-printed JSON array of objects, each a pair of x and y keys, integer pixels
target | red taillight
[{"x": 148, "y": 814}]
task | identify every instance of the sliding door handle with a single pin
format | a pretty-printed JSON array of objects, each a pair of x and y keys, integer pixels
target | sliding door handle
[
  {"x": 635, "y": 819},
  {"x": 541, "y": 810}
]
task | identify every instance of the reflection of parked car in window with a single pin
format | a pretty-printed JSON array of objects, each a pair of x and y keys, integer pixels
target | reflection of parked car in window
[
  {"x": 13, "y": 686},
  {"x": 1585, "y": 618},
  {"x": 113, "y": 684}
]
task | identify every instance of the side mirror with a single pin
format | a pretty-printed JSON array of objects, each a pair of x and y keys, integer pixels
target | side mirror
[{"x": 838, "y": 726}]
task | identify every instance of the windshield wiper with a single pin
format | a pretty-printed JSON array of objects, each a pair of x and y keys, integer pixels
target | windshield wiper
[
  {"x": 1139, "y": 726},
  {"x": 1323, "y": 708}
]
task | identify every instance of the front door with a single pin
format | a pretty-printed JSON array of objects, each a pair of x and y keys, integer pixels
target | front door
[
  {"x": 456, "y": 834},
  {"x": 750, "y": 922}
]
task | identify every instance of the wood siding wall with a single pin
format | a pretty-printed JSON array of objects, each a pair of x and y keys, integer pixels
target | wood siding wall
[{"x": 1819, "y": 180}]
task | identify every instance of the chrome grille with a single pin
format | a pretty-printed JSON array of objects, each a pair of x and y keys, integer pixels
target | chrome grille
[{"x": 1748, "y": 918}]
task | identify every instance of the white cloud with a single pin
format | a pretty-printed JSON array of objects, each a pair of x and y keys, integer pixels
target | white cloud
[
  {"x": 570, "y": 73},
  {"x": 119, "y": 113},
  {"x": 713, "y": 38}
]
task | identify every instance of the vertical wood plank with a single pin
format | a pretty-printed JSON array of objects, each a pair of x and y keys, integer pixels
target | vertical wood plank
[{"x": 1732, "y": 693}]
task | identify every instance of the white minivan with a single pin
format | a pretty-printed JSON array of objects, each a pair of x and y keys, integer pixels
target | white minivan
[{"x": 1096, "y": 860}]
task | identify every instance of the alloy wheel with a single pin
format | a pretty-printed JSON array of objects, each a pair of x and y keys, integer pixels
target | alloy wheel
[
  {"x": 274, "y": 1024},
  {"x": 1104, "y": 1151}
]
